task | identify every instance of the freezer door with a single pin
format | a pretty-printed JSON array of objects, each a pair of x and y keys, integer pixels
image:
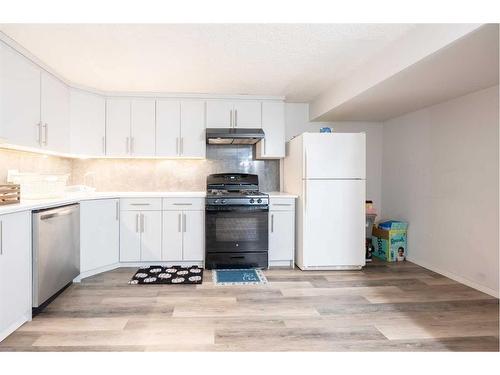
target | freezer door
[
  {"x": 334, "y": 223},
  {"x": 335, "y": 155}
]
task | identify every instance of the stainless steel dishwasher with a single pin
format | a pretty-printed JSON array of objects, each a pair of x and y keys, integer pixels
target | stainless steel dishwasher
[{"x": 56, "y": 250}]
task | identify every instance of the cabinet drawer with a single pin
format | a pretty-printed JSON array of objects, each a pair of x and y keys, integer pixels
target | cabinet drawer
[
  {"x": 185, "y": 204},
  {"x": 282, "y": 204},
  {"x": 142, "y": 204}
]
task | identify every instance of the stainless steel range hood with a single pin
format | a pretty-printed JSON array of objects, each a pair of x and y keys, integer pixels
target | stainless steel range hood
[{"x": 232, "y": 136}]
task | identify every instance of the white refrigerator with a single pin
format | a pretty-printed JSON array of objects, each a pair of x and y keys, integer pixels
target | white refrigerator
[{"x": 328, "y": 173}]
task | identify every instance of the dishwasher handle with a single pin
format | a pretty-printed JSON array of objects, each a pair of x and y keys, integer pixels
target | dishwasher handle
[{"x": 56, "y": 214}]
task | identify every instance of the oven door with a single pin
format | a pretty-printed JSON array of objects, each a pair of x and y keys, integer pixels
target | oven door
[{"x": 234, "y": 229}]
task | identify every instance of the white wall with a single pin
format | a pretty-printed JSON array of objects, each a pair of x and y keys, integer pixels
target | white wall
[
  {"x": 440, "y": 173},
  {"x": 297, "y": 122}
]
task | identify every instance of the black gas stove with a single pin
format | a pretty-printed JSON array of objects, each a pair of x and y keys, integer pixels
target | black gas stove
[{"x": 236, "y": 222}]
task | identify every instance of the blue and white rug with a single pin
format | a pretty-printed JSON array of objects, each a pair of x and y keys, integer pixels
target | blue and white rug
[{"x": 239, "y": 277}]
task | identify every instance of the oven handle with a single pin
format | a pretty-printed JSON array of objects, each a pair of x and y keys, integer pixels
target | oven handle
[{"x": 236, "y": 209}]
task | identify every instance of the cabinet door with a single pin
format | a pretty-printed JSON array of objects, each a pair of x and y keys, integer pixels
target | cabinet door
[
  {"x": 193, "y": 228},
  {"x": 193, "y": 142},
  {"x": 143, "y": 123},
  {"x": 172, "y": 236},
  {"x": 150, "y": 236},
  {"x": 99, "y": 233},
  {"x": 117, "y": 127},
  {"x": 55, "y": 113},
  {"x": 15, "y": 271},
  {"x": 273, "y": 124},
  {"x": 130, "y": 237},
  {"x": 281, "y": 235},
  {"x": 219, "y": 114},
  {"x": 247, "y": 114},
  {"x": 88, "y": 123},
  {"x": 19, "y": 99},
  {"x": 168, "y": 127}
]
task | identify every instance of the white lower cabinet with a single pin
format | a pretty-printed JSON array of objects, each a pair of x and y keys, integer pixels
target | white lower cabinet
[
  {"x": 282, "y": 232},
  {"x": 99, "y": 234},
  {"x": 140, "y": 236},
  {"x": 15, "y": 271},
  {"x": 172, "y": 236},
  {"x": 150, "y": 227},
  {"x": 194, "y": 235},
  {"x": 183, "y": 236}
]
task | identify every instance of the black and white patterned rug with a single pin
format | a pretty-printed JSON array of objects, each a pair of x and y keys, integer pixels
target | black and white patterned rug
[{"x": 168, "y": 275}]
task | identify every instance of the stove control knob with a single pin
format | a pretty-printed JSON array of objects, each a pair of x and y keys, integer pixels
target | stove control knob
[
  {"x": 259, "y": 200},
  {"x": 251, "y": 200},
  {"x": 223, "y": 201},
  {"x": 216, "y": 201}
]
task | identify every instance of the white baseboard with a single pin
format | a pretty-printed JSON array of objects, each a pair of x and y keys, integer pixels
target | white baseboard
[
  {"x": 330, "y": 268},
  {"x": 96, "y": 271},
  {"x": 456, "y": 277},
  {"x": 281, "y": 263},
  {"x": 161, "y": 263}
]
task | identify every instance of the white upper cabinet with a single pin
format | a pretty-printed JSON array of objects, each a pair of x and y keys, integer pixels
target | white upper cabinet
[
  {"x": 193, "y": 141},
  {"x": 19, "y": 99},
  {"x": 168, "y": 127},
  {"x": 118, "y": 127},
  {"x": 234, "y": 114},
  {"x": 180, "y": 128},
  {"x": 273, "y": 124},
  {"x": 55, "y": 113},
  {"x": 142, "y": 133},
  {"x": 220, "y": 114},
  {"x": 247, "y": 114},
  {"x": 88, "y": 123}
]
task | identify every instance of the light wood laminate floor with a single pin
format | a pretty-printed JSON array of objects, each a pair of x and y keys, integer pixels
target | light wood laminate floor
[{"x": 385, "y": 307}]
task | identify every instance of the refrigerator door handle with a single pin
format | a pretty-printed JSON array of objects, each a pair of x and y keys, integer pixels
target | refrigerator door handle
[
  {"x": 305, "y": 194},
  {"x": 305, "y": 164}
]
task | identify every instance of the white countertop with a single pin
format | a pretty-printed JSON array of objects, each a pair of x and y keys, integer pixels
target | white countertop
[
  {"x": 281, "y": 194},
  {"x": 28, "y": 204}
]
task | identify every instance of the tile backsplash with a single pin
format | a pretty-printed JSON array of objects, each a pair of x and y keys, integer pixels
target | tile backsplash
[
  {"x": 32, "y": 162},
  {"x": 148, "y": 174}
]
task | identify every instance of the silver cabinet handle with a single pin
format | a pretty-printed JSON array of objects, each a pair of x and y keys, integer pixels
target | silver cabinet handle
[
  {"x": 39, "y": 139},
  {"x": 235, "y": 118},
  {"x": 1, "y": 238},
  {"x": 137, "y": 223},
  {"x": 177, "y": 146},
  {"x": 182, "y": 145},
  {"x": 103, "y": 145},
  {"x": 143, "y": 223},
  {"x": 179, "y": 223},
  {"x": 272, "y": 223},
  {"x": 281, "y": 204},
  {"x": 139, "y": 204},
  {"x": 46, "y": 132},
  {"x": 183, "y": 204},
  {"x": 184, "y": 222},
  {"x": 127, "y": 145},
  {"x": 117, "y": 214},
  {"x": 132, "y": 139},
  {"x": 231, "y": 118}
]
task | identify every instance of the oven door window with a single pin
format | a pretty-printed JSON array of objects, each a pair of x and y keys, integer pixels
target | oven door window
[{"x": 230, "y": 231}]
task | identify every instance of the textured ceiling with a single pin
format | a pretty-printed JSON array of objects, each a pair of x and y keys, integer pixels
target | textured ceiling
[{"x": 297, "y": 61}]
